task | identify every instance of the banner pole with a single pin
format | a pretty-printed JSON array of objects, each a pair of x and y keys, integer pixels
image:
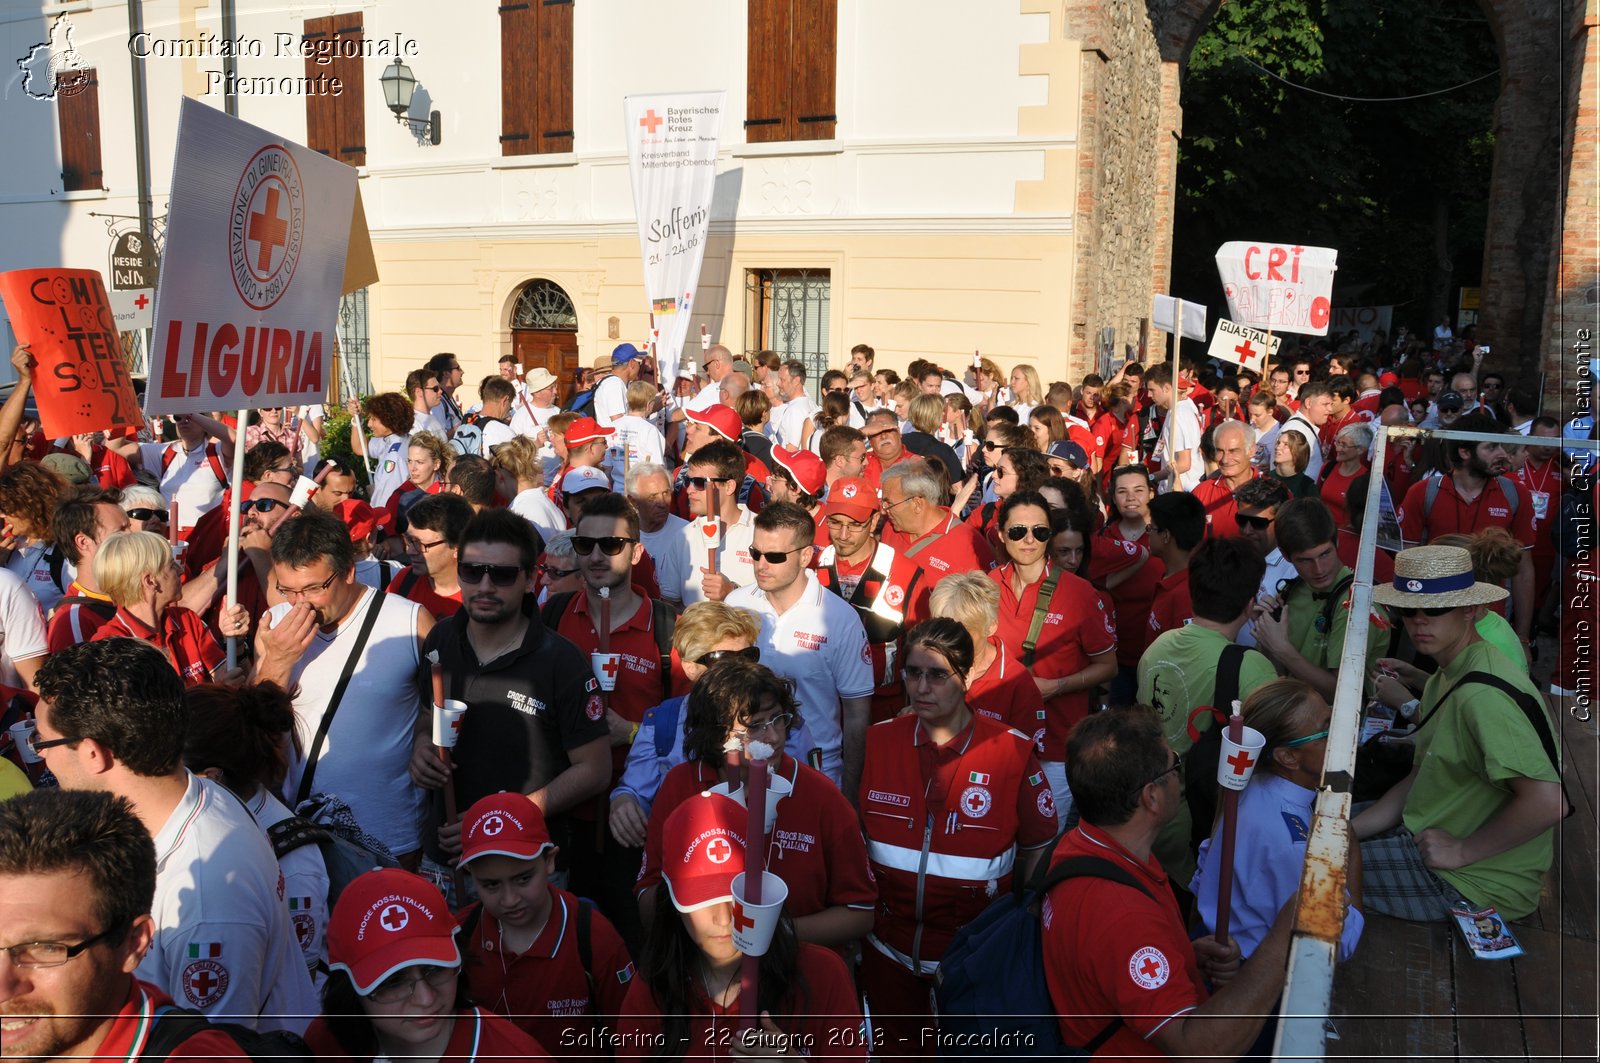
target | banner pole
[
  {"x": 355, "y": 418},
  {"x": 234, "y": 511}
]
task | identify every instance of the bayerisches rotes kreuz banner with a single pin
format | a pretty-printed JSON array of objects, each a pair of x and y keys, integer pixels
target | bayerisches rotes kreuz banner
[
  {"x": 248, "y": 297},
  {"x": 672, "y": 155}
]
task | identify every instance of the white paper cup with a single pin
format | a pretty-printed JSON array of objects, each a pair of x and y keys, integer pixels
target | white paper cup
[
  {"x": 1239, "y": 759},
  {"x": 447, "y": 723},
  {"x": 754, "y": 924},
  {"x": 606, "y": 666},
  {"x": 777, "y": 789},
  {"x": 19, "y": 736}
]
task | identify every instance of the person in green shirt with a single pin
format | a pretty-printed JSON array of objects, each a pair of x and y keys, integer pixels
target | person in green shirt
[
  {"x": 1305, "y": 637},
  {"x": 1178, "y": 671},
  {"x": 1472, "y": 824}
]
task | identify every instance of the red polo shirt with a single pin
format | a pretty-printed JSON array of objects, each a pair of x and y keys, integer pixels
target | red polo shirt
[
  {"x": 1449, "y": 513},
  {"x": 950, "y": 546},
  {"x": 1221, "y": 510},
  {"x": 1335, "y": 490},
  {"x": 1171, "y": 607},
  {"x": 872, "y": 472},
  {"x": 1132, "y": 596},
  {"x": 182, "y": 636},
  {"x": 1348, "y": 545},
  {"x": 1076, "y": 627},
  {"x": 546, "y": 990},
  {"x": 73, "y": 623},
  {"x": 478, "y": 1035},
  {"x": 1007, "y": 694},
  {"x": 639, "y": 672},
  {"x": 422, "y": 592},
  {"x": 130, "y": 1030}
]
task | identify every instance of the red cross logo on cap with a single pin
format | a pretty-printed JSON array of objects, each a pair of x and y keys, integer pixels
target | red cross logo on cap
[
  {"x": 394, "y": 918},
  {"x": 1240, "y": 762},
  {"x": 493, "y": 825},
  {"x": 651, "y": 121},
  {"x": 847, "y": 492},
  {"x": 718, "y": 851}
]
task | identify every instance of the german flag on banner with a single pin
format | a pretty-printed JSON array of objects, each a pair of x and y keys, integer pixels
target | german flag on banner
[{"x": 664, "y": 306}]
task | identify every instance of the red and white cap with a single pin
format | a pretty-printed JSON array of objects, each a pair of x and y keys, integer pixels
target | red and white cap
[
  {"x": 702, "y": 849},
  {"x": 504, "y": 824},
  {"x": 803, "y": 467},
  {"x": 584, "y": 478},
  {"x": 361, "y": 518},
  {"x": 851, "y": 497},
  {"x": 586, "y": 430},
  {"x": 388, "y": 920},
  {"x": 720, "y": 419}
]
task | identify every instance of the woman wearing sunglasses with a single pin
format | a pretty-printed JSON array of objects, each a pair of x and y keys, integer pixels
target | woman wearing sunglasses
[
  {"x": 814, "y": 844},
  {"x": 395, "y": 988},
  {"x": 953, "y": 805},
  {"x": 1056, "y": 625},
  {"x": 146, "y": 509}
]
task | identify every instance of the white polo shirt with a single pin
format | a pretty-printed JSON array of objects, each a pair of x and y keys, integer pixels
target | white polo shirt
[
  {"x": 669, "y": 549},
  {"x": 610, "y": 400},
  {"x": 189, "y": 478},
  {"x": 708, "y": 397},
  {"x": 305, "y": 887},
  {"x": 641, "y": 440},
  {"x": 818, "y": 643},
  {"x": 224, "y": 943},
  {"x": 733, "y": 556},
  {"x": 789, "y": 426},
  {"x": 22, "y": 630}
]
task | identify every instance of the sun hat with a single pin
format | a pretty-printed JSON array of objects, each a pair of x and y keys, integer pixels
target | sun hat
[
  {"x": 702, "y": 850},
  {"x": 504, "y": 824},
  {"x": 1435, "y": 577},
  {"x": 388, "y": 920},
  {"x": 538, "y": 378},
  {"x": 69, "y": 467}
]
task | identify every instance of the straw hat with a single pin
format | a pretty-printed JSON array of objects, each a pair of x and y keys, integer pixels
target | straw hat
[{"x": 1435, "y": 577}]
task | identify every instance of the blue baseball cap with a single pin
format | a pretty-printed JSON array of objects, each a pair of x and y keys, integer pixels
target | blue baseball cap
[{"x": 624, "y": 352}]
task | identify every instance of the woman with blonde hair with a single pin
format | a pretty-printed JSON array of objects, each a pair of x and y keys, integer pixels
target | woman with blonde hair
[
  {"x": 428, "y": 461},
  {"x": 1026, "y": 390},
  {"x": 998, "y": 686},
  {"x": 519, "y": 475}
]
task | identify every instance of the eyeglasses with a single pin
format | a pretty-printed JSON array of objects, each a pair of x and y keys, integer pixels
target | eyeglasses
[
  {"x": 1172, "y": 769},
  {"x": 553, "y": 573},
  {"x": 500, "y": 575},
  {"x": 887, "y": 505},
  {"x": 401, "y": 986},
  {"x": 1258, "y": 523},
  {"x": 845, "y": 524},
  {"x": 36, "y": 954},
  {"x": 1017, "y": 532},
  {"x": 932, "y": 676},
  {"x": 303, "y": 591},
  {"x": 1307, "y": 740},
  {"x": 282, "y": 469},
  {"x": 775, "y": 557},
  {"x": 699, "y": 482},
  {"x": 1407, "y": 612},
  {"x": 612, "y": 545},
  {"x": 435, "y": 387},
  {"x": 413, "y": 543},
  {"x": 142, "y": 513},
  {"x": 782, "y": 719},
  {"x": 710, "y": 657},
  {"x": 265, "y": 505},
  {"x": 37, "y": 747}
]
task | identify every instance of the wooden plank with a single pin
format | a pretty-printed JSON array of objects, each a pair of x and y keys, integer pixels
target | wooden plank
[
  {"x": 1394, "y": 998},
  {"x": 553, "y": 79},
  {"x": 1556, "y": 992},
  {"x": 78, "y": 109},
  {"x": 518, "y": 56},
  {"x": 813, "y": 69},
  {"x": 767, "y": 63},
  {"x": 1488, "y": 1025},
  {"x": 350, "y": 118}
]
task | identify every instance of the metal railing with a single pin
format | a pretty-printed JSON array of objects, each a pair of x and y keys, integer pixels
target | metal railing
[{"x": 1308, "y": 993}]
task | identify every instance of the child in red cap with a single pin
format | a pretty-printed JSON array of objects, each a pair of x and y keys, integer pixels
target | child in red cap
[
  {"x": 394, "y": 991},
  {"x": 688, "y": 984},
  {"x": 534, "y": 953}
]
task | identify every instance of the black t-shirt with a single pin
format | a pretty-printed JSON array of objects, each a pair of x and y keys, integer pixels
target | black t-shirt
[{"x": 932, "y": 448}]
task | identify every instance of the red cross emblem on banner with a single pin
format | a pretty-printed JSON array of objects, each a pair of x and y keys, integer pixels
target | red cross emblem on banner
[
  {"x": 268, "y": 230},
  {"x": 718, "y": 851},
  {"x": 651, "y": 121},
  {"x": 1247, "y": 353},
  {"x": 1241, "y": 761},
  {"x": 394, "y": 917}
]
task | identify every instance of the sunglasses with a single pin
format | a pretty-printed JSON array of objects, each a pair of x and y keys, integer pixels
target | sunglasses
[
  {"x": 774, "y": 557},
  {"x": 1018, "y": 532},
  {"x": 989, "y": 444},
  {"x": 265, "y": 505},
  {"x": 612, "y": 545},
  {"x": 932, "y": 676},
  {"x": 147, "y": 514},
  {"x": 1407, "y": 612},
  {"x": 699, "y": 482},
  {"x": 551, "y": 572},
  {"x": 1258, "y": 523},
  {"x": 749, "y": 653},
  {"x": 500, "y": 575}
]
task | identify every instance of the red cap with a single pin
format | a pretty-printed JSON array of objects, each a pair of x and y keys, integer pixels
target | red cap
[
  {"x": 586, "y": 430},
  {"x": 1388, "y": 380},
  {"x": 702, "y": 849},
  {"x": 361, "y": 518},
  {"x": 851, "y": 497},
  {"x": 803, "y": 467},
  {"x": 504, "y": 824},
  {"x": 720, "y": 419},
  {"x": 386, "y": 921}
]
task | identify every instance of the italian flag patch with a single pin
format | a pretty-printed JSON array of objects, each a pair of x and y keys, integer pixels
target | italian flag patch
[
  {"x": 1035, "y": 779},
  {"x": 978, "y": 778},
  {"x": 208, "y": 950}
]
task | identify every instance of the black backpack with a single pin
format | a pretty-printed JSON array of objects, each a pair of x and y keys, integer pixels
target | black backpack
[
  {"x": 1200, "y": 763},
  {"x": 173, "y": 1026}
]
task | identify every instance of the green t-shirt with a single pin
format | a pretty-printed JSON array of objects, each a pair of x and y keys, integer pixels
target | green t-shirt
[
  {"x": 12, "y": 780},
  {"x": 1324, "y": 648},
  {"x": 1177, "y": 674},
  {"x": 1480, "y": 741},
  {"x": 1497, "y": 631}
]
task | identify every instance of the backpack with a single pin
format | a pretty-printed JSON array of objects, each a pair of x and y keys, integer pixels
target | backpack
[
  {"x": 173, "y": 1026},
  {"x": 1507, "y": 485},
  {"x": 213, "y": 459},
  {"x": 665, "y": 623},
  {"x": 347, "y": 850},
  {"x": 583, "y": 404},
  {"x": 1200, "y": 763},
  {"x": 663, "y": 719},
  {"x": 98, "y": 606},
  {"x": 467, "y": 440},
  {"x": 990, "y": 987}
]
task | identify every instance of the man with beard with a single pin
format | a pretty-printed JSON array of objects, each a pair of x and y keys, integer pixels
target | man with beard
[{"x": 1475, "y": 494}]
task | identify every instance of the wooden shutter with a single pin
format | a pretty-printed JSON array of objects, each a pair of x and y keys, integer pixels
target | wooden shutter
[
  {"x": 536, "y": 77},
  {"x": 791, "y": 64},
  {"x": 78, "y": 108},
  {"x": 337, "y": 125},
  {"x": 767, "y": 93}
]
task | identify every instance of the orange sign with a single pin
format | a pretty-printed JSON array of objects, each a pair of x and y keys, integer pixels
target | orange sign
[{"x": 81, "y": 380}]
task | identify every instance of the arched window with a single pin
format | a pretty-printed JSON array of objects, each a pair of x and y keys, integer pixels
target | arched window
[{"x": 543, "y": 305}]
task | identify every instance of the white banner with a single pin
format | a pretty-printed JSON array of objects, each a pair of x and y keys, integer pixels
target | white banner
[
  {"x": 1180, "y": 316},
  {"x": 1245, "y": 347},
  {"x": 672, "y": 155},
  {"x": 248, "y": 296},
  {"x": 1362, "y": 319},
  {"x": 1280, "y": 287}
]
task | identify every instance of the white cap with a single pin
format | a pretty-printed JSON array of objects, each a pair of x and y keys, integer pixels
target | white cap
[{"x": 584, "y": 478}]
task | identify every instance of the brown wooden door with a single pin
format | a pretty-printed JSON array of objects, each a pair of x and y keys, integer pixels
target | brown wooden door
[{"x": 552, "y": 349}]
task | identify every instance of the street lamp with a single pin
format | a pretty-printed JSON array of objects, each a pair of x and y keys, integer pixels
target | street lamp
[{"x": 398, "y": 86}]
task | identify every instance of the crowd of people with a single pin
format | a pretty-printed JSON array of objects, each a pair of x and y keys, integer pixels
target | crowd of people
[{"x": 978, "y": 627}]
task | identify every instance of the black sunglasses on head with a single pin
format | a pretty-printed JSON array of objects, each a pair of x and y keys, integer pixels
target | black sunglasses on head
[
  {"x": 749, "y": 653},
  {"x": 142, "y": 513},
  {"x": 611, "y": 545},
  {"x": 499, "y": 575}
]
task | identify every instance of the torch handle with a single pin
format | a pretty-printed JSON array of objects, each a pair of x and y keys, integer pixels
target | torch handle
[
  {"x": 1230, "y": 825},
  {"x": 755, "y": 868}
]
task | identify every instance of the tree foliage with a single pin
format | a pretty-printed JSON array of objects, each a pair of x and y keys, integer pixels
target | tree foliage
[{"x": 1261, "y": 159}]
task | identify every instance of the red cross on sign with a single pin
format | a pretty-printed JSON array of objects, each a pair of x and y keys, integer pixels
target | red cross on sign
[
  {"x": 268, "y": 230},
  {"x": 718, "y": 851},
  {"x": 1246, "y": 353},
  {"x": 142, "y": 302},
  {"x": 1241, "y": 761},
  {"x": 651, "y": 121},
  {"x": 741, "y": 921},
  {"x": 1149, "y": 968}
]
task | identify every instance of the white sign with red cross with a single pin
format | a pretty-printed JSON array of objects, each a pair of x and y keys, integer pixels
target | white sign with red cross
[
  {"x": 1245, "y": 347},
  {"x": 1282, "y": 287},
  {"x": 248, "y": 296}
]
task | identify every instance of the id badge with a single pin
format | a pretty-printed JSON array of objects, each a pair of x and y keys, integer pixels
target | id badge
[{"x": 1541, "y": 505}]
